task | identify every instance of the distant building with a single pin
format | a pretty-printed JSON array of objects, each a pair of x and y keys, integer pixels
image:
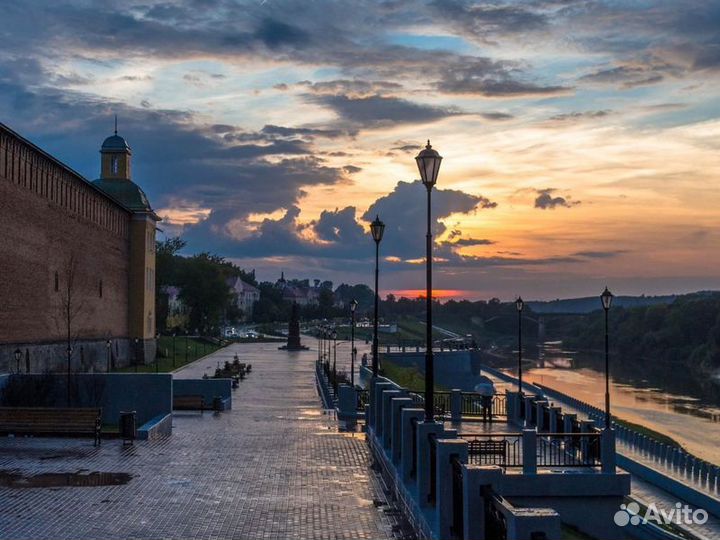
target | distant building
[
  {"x": 177, "y": 315},
  {"x": 246, "y": 294},
  {"x": 299, "y": 291},
  {"x": 66, "y": 240}
]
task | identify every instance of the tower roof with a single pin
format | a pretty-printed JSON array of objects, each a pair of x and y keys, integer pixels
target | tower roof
[
  {"x": 128, "y": 193},
  {"x": 115, "y": 143}
]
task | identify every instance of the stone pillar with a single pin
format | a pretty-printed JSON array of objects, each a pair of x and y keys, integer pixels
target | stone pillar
[
  {"x": 474, "y": 478},
  {"x": 529, "y": 401},
  {"x": 447, "y": 450},
  {"x": 554, "y": 412},
  {"x": 455, "y": 405},
  {"x": 376, "y": 409},
  {"x": 539, "y": 407},
  {"x": 406, "y": 444},
  {"x": 397, "y": 405},
  {"x": 607, "y": 451},
  {"x": 424, "y": 429},
  {"x": 569, "y": 419},
  {"x": 529, "y": 451},
  {"x": 386, "y": 420},
  {"x": 523, "y": 522},
  {"x": 347, "y": 402}
]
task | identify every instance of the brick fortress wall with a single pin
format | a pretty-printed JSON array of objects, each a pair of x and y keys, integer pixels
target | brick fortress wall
[{"x": 54, "y": 225}]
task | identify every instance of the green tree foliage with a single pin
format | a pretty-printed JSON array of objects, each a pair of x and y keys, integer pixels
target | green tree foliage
[
  {"x": 685, "y": 332},
  {"x": 202, "y": 280}
]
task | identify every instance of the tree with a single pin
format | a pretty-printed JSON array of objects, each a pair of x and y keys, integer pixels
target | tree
[
  {"x": 204, "y": 291},
  {"x": 71, "y": 311}
]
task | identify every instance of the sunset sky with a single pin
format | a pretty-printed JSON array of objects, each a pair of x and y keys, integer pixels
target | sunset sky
[{"x": 581, "y": 140}]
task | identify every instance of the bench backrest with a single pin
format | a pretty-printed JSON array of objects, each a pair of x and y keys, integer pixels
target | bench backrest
[{"x": 49, "y": 418}]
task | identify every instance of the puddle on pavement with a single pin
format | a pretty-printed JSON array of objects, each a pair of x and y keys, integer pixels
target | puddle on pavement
[{"x": 16, "y": 480}]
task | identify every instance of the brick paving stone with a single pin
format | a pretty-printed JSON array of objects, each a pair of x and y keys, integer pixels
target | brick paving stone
[{"x": 274, "y": 467}]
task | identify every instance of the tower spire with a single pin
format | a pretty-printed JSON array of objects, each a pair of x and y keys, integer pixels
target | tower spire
[{"x": 116, "y": 124}]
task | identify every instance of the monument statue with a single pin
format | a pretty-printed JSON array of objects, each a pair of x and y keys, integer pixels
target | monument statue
[{"x": 293, "y": 341}]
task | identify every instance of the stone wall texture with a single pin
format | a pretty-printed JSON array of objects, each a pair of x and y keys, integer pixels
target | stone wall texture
[{"x": 64, "y": 253}]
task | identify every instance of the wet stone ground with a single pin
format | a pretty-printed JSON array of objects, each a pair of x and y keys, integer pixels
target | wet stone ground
[{"x": 274, "y": 467}]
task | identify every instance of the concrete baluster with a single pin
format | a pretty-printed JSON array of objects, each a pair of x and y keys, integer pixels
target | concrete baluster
[
  {"x": 423, "y": 472},
  {"x": 455, "y": 405},
  {"x": 529, "y": 451},
  {"x": 397, "y": 405},
  {"x": 407, "y": 445},
  {"x": 386, "y": 418},
  {"x": 447, "y": 449}
]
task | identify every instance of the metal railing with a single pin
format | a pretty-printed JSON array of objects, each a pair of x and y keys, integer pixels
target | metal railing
[
  {"x": 442, "y": 403},
  {"x": 569, "y": 450},
  {"x": 562, "y": 450},
  {"x": 473, "y": 404},
  {"x": 495, "y": 521},
  {"x": 502, "y": 449}
]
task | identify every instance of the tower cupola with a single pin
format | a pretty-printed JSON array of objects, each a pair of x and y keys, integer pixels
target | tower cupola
[{"x": 115, "y": 158}]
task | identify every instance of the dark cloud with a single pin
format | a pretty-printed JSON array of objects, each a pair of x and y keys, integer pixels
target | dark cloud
[
  {"x": 275, "y": 34},
  {"x": 497, "y": 116},
  {"x": 584, "y": 115},
  {"x": 628, "y": 76},
  {"x": 339, "y": 226},
  {"x": 403, "y": 212},
  {"x": 546, "y": 201},
  {"x": 377, "y": 111},
  {"x": 352, "y": 169},
  {"x": 354, "y": 87},
  {"x": 469, "y": 242},
  {"x": 600, "y": 254},
  {"x": 485, "y": 77},
  {"x": 282, "y": 131}
]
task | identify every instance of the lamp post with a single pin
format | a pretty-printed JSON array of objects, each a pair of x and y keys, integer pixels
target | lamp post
[
  {"x": 428, "y": 162},
  {"x": 137, "y": 353},
  {"x": 353, "y": 307},
  {"x": 377, "y": 228},
  {"x": 108, "y": 347},
  {"x": 157, "y": 355},
  {"x": 18, "y": 355},
  {"x": 519, "y": 304},
  {"x": 187, "y": 347},
  {"x": 174, "y": 334},
  {"x": 334, "y": 338},
  {"x": 606, "y": 298}
]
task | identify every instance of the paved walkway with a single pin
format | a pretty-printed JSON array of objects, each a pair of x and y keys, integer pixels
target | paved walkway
[{"x": 274, "y": 467}]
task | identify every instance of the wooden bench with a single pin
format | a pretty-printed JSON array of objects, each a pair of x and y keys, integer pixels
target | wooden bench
[
  {"x": 51, "y": 421},
  {"x": 189, "y": 403}
]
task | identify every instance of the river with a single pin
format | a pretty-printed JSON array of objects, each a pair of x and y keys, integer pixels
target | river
[{"x": 661, "y": 397}]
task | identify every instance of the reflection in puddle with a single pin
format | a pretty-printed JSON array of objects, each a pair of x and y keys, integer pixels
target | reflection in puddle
[{"x": 16, "y": 480}]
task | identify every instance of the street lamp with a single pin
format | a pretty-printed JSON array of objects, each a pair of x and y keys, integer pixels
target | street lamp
[
  {"x": 137, "y": 353},
  {"x": 108, "y": 347},
  {"x": 606, "y": 298},
  {"x": 428, "y": 162},
  {"x": 157, "y": 355},
  {"x": 334, "y": 338},
  {"x": 519, "y": 304},
  {"x": 353, "y": 307},
  {"x": 18, "y": 355},
  {"x": 377, "y": 229},
  {"x": 174, "y": 334}
]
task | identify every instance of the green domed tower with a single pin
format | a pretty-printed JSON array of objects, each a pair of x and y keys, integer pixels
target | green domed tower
[{"x": 115, "y": 180}]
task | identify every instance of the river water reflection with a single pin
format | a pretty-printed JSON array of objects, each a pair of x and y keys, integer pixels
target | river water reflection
[{"x": 659, "y": 396}]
